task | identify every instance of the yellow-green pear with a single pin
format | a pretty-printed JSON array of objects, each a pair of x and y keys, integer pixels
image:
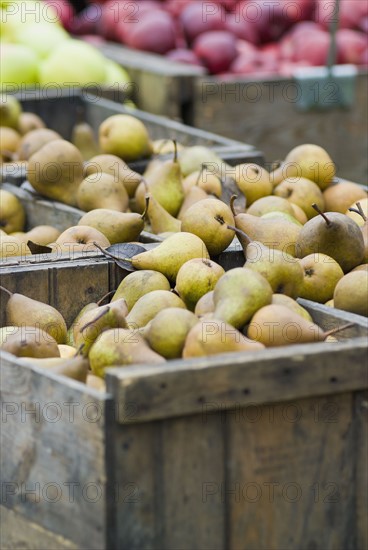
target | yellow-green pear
[
  {"x": 12, "y": 213},
  {"x": 118, "y": 227},
  {"x": 253, "y": 181},
  {"x": 321, "y": 275},
  {"x": 137, "y": 284},
  {"x": 205, "y": 304},
  {"x": 284, "y": 300},
  {"x": 351, "y": 293},
  {"x": 160, "y": 220},
  {"x": 148, "y": 305},
  {"x": 303, "y": 192},
  {"x": 125, "y": 136},
  {"x": 167, "y": 331},
  {"x": 195, "y": 278},
  {"x": 102, "y": 191},
  {"x": 28, "y": 341},
  {"x": 115, "y": 166}
]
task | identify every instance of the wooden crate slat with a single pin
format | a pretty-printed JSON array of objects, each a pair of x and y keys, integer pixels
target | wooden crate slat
[{"x": 360, "y": 482}]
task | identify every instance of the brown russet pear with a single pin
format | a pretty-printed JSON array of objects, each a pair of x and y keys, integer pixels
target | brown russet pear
[
  {"x": 56, "y": 170},
  {"x": 209, "y": 220},
  {"x": 160, "y": 220},
  {"x": 43, "y": 234},
  {"x": 28, "y": 122},
  {"x": 340, "y": 196},
  {"x": 302, "y": 192},
  {"x": 195, "y": 278},
  {"x": 194, "y": 195},
  {"x": 95, "y": 321},
  {"x": 24, "y": 311},
  {"x": 24, "y": 341},
  {"x": 83, "y": 138},
  {"x": 115, "y": 166},
  {"x": 276, "y": 325},
  {"x": 213, "y": 337},
  {"x": 118, "y": 227},
  {"x": 306, "y": 161},
  {"x": 171, "y": 254},
  {"x": 270, "y": 204},
  {"x": 239, "y": 294},
  {"x": 33, "y": 141},
  {"x": 205, "y": 304},
  {"x": 321, "y": 275},
  {"x": 281, "y": 270},
  {"x": 205, "y": 180},
  {"x": 284, "y": 300},
  {"x": 253, "y": 181},
  {"x": 119, "y": 347},
  {"x": 351, "y": 293},
  {"x": 75, "y": 367},
  {"x": 102, "y": 191},
  {"x": 335, "y": 235},
  {"x": 137, "y": 284},
  {"x": 148, "y": 305},
  {"x": 125, "y": 136},
  {"x": 167, "y": 331}
]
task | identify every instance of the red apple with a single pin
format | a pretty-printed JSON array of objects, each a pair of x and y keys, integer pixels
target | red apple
[
  {"x": 363, "y": 24},
  {"x": 350, "y": 45},
  {"x": 87, "y": 21},
  {"x": 287, "y": 43},
  {"x": 199, "y": 18},
  {"x": 241, "y": 28},
  {"x": 183, "y": 55},
  {"x": 175, "y": 8},
  {"x": 154, "y": 32},
  {"x": 216, "y": 49},
  {"x": 364, "y": 58},
  {"x": 93, "y": 39},
  {"x": 312, "y": 47},
  {"x": 271, "y": 51}
]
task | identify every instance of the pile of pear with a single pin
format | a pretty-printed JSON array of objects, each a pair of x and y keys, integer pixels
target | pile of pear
[{"x": 178, "y": 303}]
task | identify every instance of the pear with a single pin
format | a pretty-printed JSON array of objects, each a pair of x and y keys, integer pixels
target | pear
[
  {"x": 281, "y": 216},
  {"x": 167, "y": 331},
  {"x": 299, "y": 213},
  {"x": 9, "y": 142},
  {"x": 74, "y": 327},
  {"x": 306, "y": 161},
  {"x": 118, "y": 227},
  {"x": 281, "y": 270},
  {"x": 362, "y": 267},
  {"x": 253, "y": 181},
  {"x": 351, "y": 293},
  {"x": 137, "y": 284},
  {"x": 12, "y": 213},
  {"x": 205, "y": 180},
  {"x": 364, "y": 227},
  {"x": 83, "y": 138},
  {"x": 160, "y": 220},
  {"x": 165, "y": 146},
  {"x": 43, "y": 234},
  {"x": 330, "y": 303},
  {"x": 192, "y": 159},
  {"x": 205, "y": 304},
  {"x": 119, "y": 347},
  {"x": 239, "y": 294},
  {"x": 171, "y": 254},
  {"x": 212, "y": 337},
  {"x": 335, "y": 235},
  {"x": 270, "y": 204},
  {"x": 148, "y": 305},
  {"x": 166, "y": 185},
  {"x": 125, "y": 136},
  {"x": 321, "y": 275},
  {"x": 66, "y": 351},
  {"x": 10, "y": 110},
  {"x": 21, "y": 310},
  {"x": 115, "y": 166},
  {"x": 12, "y": 246},
  {"x": 75, "y": 367},
  {"x": 209, "y": 220},
  {"x": 56, "y": 170},
  {"x": 302, "y": 192},
  {"x": 28, "y": 122},
  {"x": 95, "y": 321},
  {"x": 340, "y": 196},
  {"x": 33, "y": 141},
  {"x": 284, "y": 300},
  {"x": 195, "y": 278},
  {"x": 356, "y": 216},
  {"x": 95, "y": 382},
  {"x": 28, "y": 341},
  {"x": 102, "y": 191},
  {"x": 80, "y": 238},
  {"x": 194, "y": 195}
]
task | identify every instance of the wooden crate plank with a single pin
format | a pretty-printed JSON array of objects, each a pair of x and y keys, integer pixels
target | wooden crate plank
[
  {"x": 290, "y": 479},
  {"x": 53, "y": 459},
  {"x": 192, "y": 456},
  {"x": 185, "y": 387},
  {"x": 361, "y": 476}
]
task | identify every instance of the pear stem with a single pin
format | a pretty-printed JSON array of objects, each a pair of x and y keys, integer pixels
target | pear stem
[
  {"x": 105, "y": 296},
  {"x": 337, "y": 329},
  {"x": 359, "y": 210},
  {"x": 200, "y": 173},
  {"x": 317, "y": 209},
  {"x": 232, "y": 200},
  {"x": 6, "y": 290},
  {"x": 78, "y": 352},
  {"x": 101, "y": 314},
  {"x": 240, "y": 232},
  {"x": 111, "y": 255},
  {"x": 175, "y": 150},
  {"x": 143, "y": 215}
]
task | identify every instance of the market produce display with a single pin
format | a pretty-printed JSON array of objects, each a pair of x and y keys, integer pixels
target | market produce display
[
  {"x": 231, "y": 37},
  {"x": 37, "y": 51}
]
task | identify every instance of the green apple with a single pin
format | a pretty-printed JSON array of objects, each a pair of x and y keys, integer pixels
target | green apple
[
  {"x": 19, "y": 66},
  {"x": 42, "y": 38},
  {"x": 73, "y": 63}
]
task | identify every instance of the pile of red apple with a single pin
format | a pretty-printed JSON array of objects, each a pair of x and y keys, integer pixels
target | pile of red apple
[{"x": 258, "y": 37}]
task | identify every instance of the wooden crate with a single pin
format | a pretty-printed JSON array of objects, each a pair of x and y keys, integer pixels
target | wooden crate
[
  {"x": 238, "y": 451},
  {"x": 60, "y": 113},
  {"x": 262, "y": 112}
]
